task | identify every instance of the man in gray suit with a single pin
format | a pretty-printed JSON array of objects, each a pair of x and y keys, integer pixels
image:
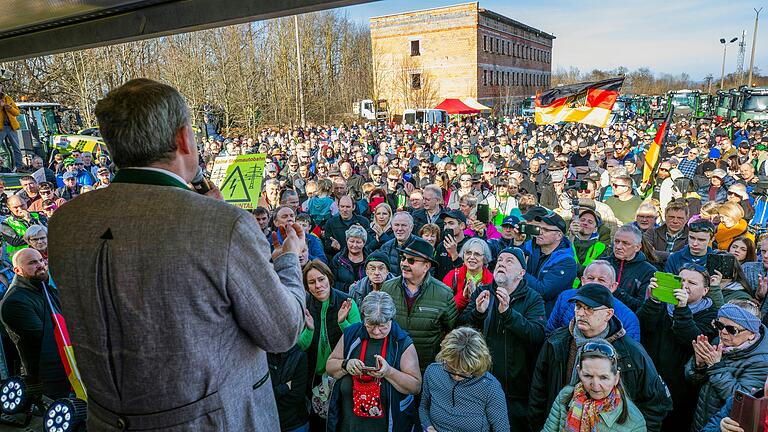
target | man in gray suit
[{"x": 170, "y": 297}]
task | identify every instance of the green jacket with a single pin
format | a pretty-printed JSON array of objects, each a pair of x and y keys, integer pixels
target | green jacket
[
  {"x": 559, "y": 414},
  {"x": 433, "y": 314}
]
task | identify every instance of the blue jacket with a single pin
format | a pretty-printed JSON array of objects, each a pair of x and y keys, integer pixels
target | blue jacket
[
  {"x": 563, "y": 313},
  {"x": 676, "y": 260},
  {"x": 315, "y": 248},
  {"x": 403, "y": 409},
  {"x": 552, "y": 276}
]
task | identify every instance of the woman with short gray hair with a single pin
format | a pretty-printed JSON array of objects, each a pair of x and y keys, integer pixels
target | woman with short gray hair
[
  {"x": 348, "y": 265},
  {"x": 472, "y": 274},
  {"x": 375, "y": 359},
  {"x": 37, "y": 238}
]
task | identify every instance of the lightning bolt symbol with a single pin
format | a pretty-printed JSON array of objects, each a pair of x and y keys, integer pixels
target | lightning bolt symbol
[{"x": 232, "y": 188}]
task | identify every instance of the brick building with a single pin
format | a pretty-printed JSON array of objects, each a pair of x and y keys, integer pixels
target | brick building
[{"x": 423, "y": 57}]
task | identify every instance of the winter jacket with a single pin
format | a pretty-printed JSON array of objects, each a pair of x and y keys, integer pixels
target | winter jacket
[
  {"x": 514, "y": 337},
  {"x": 721, "y": 195},
  {"x": 677, "y": 260},
  {"x": 336, "y": 227},
  {"x": 344, "y": 274},
  {"x": 586, "y": 251},
  {"x": 9, "y": 113},
  {"x": 550, "y": 275},
  {"x": 668, "y": 341},
  {"x": 456, "y": 280},
  {"x": 333, "y": 329},
  {"x": 420, "y": 218},
  {"x": 563, "y": 313},
  {"x": 284, "y": 368},
  {"x": 362, "y": 288},
  {"x": 497, "y": 245},
  {"x": 315, "y": 248},
  {"x": 633, "y": 277},
  {"x": 433, "y": 314},
  {"x": 658, "y": 239},
  {"x": 402, "y": 408},
  {"x": 471, "y": 405},
  {"x": 713, "y": 424},
  {"x": 558, "y": 416},
  {"x": 724, "y": 235},
  {"x": 554, "y": 369},
  {"x": 26, "y": 315},
  {"x": 743, "y": 370},
  {"x": 390, "y": 249}
]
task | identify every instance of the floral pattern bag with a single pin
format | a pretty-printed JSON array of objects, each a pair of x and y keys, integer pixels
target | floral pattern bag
[{"x": 366, "y": 390}]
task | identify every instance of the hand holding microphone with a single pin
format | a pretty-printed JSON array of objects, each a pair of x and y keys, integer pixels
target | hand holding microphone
[{"x": 205, "y": 187}]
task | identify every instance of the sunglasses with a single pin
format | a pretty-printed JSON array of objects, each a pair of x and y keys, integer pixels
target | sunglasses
[
  {"x": 409, "y": 260},
  {"x": 602, "y": 348},
  {"x": 732, "y": 330}
]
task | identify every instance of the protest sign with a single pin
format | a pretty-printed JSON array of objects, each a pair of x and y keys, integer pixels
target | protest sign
[{"x": 239, "y": 179}]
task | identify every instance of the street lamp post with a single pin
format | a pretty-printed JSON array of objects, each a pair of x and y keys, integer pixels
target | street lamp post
[
  {"x": 722, "y": 70},
  {"x": 754, "y": 42}
]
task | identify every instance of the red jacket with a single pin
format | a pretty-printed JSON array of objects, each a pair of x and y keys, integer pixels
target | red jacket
[{"x": 456, "y": 279}]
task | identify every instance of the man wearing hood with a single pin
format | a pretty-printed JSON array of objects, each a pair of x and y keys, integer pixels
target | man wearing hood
[
  {"x": 511, "y": 318},
  {"x": 633, "y": 271},
  {"x": 595, "y": 321}
]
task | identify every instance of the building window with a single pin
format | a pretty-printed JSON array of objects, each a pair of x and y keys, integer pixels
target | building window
[
  {"x": 485, "y": 43},
  {"x": 508, "y": 45},
  {"x": 497, "y": 77},
  {"x": 507, "y": 78},
  {"x": 497, "y": 45},
  {"x": 485, "y": 77},
  {"x": 416, "y": 81},
  {"x": 415, "y": 48}
]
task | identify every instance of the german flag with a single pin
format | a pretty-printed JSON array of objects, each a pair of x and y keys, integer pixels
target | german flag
[
  {"x": 652, "y": 155},
  {"x": 588, "y": 103}
]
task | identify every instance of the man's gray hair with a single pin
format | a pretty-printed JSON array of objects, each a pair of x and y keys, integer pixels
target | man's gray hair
[
  {"x": 436, "y": 191},
  {"x": 606, "y": 264},
  {"x": 631, "y": 229},
  {"x": 474, "y": 241},
  {"x": 404, "y": 214},
  {"x": 139, "y": 121},
  {"x": 377, "y": 308},
  {"x": 357, "y": 231},
  {"x": 35, "y": 230}
]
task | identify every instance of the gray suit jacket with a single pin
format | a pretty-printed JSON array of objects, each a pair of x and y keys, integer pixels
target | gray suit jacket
[{"x": 171, "y": 302}]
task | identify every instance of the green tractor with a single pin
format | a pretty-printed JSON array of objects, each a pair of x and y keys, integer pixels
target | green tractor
[
  {"x": 754, "y": 105},
  {"x": 687, "y": 103},
  {"x": 723, "y": 103},
  {"x": 641, "y": 105},
  {"x": 736, "y": 97}
]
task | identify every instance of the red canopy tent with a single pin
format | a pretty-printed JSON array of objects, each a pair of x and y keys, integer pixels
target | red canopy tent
[{"x": 455, "y": 106}]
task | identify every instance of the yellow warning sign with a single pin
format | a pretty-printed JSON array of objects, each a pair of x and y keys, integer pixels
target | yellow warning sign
[{"x": 239, "y": 178}]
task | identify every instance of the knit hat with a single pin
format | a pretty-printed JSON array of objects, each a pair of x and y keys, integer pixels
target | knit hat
[
  {"x": 517, "y": 252},
  {"x": 740, "y": 316},
  {"x": 378, "y": 256}
]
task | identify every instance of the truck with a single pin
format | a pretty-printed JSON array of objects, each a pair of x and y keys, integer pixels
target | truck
[
  {"x": 425, "y": 115},
  {"x": 754, "y": 105},
  {"x": 528, "y": 107},
  {"x": 367, "y": 109},
  {"x": 723, "y": 103}
]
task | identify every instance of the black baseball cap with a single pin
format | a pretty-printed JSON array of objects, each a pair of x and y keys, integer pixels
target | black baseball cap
[
  {"x": 553, "y": 219},
  {"x": 534, "y": 212},
  {"x": 454, "y": 214},
  {"x": 593, "y": 295}
]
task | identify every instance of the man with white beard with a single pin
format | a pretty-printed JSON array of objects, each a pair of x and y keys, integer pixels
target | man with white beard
[{"x": 511, "y": 317}]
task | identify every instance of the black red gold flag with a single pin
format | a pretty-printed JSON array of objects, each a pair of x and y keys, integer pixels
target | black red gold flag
[
  {"x": 589, "y": 103},
  {"x": 652, "y": 154}
]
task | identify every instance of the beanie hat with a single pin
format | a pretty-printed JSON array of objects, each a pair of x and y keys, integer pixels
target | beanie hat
[
  {"x": 740, "y": 316},
  {"x": 378, "y": 256},
  {"x": 517, "y": 252}
]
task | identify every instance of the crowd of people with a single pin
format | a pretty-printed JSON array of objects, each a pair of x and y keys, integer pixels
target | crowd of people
[{"x": 488, "y": 275}]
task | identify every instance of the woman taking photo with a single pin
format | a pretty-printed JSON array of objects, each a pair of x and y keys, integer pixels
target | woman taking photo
[
  {"x": 735, "y": 287},
  {"x": 459, "y": 394},
  {"x": 329, "y": 312},
  {"x": 738, "y": 360},
  {"x": 732, "y": 225},
  {"x": 348, "y": 265},
  {"x": 473, "y": 273},
  {"x": 375, "y": 359},
  {"x": 598, "y": 402}
]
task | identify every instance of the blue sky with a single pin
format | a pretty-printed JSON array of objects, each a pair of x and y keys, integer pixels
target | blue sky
[{"x": 671, "y": 36}]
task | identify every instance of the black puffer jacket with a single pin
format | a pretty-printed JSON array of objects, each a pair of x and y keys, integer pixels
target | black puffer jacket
[
  {"x": 668, "y": 340},
  {"x": 638, "y": 373},
  {"x": 390, "y": 250},
  {"x": 336, "y": 227},
  {"x": 633, "y": 277},
  {"x": 514, "y": 337}
]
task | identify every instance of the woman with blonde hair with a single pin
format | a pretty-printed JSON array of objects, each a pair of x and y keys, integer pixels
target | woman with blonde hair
[
  {"x": 732, "y": 224},
  {"x": 381, "y": 223},
  {"x": 458, "y": 391}
]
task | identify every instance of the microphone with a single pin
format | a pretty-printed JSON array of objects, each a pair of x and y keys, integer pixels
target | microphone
[{"x": 200, "y": 183}]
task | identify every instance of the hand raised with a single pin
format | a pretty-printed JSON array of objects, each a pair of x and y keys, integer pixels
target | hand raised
[
  {"x": 481, "y": 304},
  {"x": 344, "y": 310}
]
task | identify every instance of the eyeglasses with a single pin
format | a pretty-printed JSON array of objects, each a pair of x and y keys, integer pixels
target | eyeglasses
[
  {"x": 701, "y": 226},
  {"x": 615, "y": 186},
  {"x": 732, "y": 330},
  {"x": 392, "y": 179},
  {"x": 586, "y": 309},
  {"x": 466, "y": 179},
  {"x": 600, "y": 348},
  {"x": 451, "y": 372},
  {"x": 734, "y": 194}
]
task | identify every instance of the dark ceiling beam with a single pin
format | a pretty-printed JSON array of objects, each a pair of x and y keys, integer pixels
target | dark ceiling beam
[{"x": 154, "y": 20}]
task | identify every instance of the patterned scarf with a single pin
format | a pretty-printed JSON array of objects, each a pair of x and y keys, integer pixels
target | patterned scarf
[{"x": 584, "y": 412}]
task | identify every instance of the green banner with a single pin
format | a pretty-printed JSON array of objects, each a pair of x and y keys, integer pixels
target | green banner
[{"x": 239, "y": 178}]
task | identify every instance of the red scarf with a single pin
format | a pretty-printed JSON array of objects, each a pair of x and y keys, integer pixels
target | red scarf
[{"x": 584, "y": 412}]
